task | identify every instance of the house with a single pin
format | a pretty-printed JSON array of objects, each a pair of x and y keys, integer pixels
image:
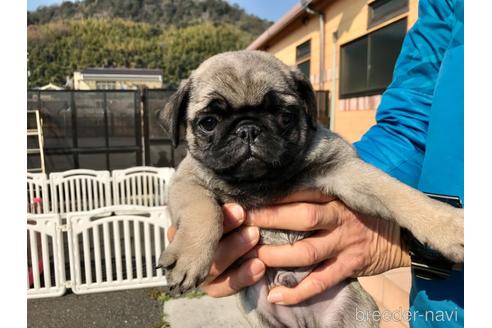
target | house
[
  {"x": 117, "y": 78},
  {"x": 347, "y": 49}
]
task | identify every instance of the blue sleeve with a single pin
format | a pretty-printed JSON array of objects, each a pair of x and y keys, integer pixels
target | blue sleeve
[{"x": 396, "y": 143}]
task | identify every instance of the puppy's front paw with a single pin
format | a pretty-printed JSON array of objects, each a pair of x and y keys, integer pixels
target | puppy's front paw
[
  {"x": 446, "y": 233},
  {"x": 186, "y": 265}
]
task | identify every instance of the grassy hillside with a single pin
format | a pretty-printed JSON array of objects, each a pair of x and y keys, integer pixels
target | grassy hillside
[
  {"x": 174, "y": 35},
  {"x": 57, "y": 49},
  {"x": 162, "y": 12}
]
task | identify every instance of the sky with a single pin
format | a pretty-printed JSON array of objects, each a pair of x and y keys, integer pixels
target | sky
[{"x": 268, "y": 9}]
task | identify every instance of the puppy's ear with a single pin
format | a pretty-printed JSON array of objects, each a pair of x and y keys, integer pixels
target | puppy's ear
[
  {"x": 305, "y": 91},
  {"x": 174, "y": 112}
]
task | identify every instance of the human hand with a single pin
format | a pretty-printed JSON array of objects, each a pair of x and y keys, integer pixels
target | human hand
[
  {"x": 224, "y": 280},
  {"x": 345, "y": 244}
]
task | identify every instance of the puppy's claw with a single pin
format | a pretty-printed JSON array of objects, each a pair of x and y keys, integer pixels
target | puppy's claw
[
  {"x": 185, "y": 267},
  {"x": 167, "y": 260}
]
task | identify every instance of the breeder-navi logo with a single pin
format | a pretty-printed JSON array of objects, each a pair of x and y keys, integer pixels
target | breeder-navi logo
[{"x": 407, "y": 315}]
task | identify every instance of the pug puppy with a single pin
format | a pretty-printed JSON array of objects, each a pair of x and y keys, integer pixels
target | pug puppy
[{"x": 253, "y": 138}]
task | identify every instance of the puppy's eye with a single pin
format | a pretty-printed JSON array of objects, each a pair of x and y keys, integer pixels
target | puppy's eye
[
  {"x": 287, "y": 118},
  {"x": 208, "y": 123}
]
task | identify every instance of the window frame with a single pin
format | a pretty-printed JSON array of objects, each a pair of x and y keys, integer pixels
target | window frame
[
  {"x": 305, "y": 58},
  {"x": 371, "y": 22},
  {"x": 105, "y": 85},
  {"x": 368, "y": 91},
  {"x": 309, "y": 67}
]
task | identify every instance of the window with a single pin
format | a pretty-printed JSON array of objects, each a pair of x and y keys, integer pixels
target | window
[
  {"x": 366, "y": 64},
  {"x": 105, "y": 85},
  {"x": 303, "y": 55},
  {"x": 382, "y": 10},
  {"x": 304, "y": 67},
  {"x": 303, "y": 51}
]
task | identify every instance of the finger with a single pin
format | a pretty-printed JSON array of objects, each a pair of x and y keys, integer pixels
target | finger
[
  {"x": 296, "y": 216},
  {"x": 232, "y": 281},
  {"x": 308, "y": 196},
  {"x": 312, "y": 250},
  {"x": 322, "y": 278},
  {"x": 231, "y": 248},
  {"x": 171, "y": 231},
  {"x": 234, "y": 216}
]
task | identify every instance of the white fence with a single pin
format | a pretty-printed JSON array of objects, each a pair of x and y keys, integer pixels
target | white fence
[
  {"x": 108, "y": 247},
  {"x": 141, "y": 186},
  {"x": 116, "y": 251},
  {"x": 46, "y": 276},
  {"x": 80, "y": 190},
  {"x": 37, "y": 193}
]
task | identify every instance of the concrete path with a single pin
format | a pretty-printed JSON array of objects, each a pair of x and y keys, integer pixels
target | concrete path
[
  {"x": 133, "y": 309},
  {"x": 204, "y": 312}
]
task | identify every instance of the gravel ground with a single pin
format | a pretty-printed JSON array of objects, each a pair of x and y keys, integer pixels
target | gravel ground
[{"x": 126, "y": 309}]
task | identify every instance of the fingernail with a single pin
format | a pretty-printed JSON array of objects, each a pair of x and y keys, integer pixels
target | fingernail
[
  {"x": 249, "y": 218},
  {"x": 256, "y": 267},
  {"x": 274, "y": 297},
  {"x": 250, "y": 234},
  {"x": 236, "y": 211}
]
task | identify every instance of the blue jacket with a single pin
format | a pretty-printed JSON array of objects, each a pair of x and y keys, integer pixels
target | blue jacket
[{"x": 418, "y": 137}]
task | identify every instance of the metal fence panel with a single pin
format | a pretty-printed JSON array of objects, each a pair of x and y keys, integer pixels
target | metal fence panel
[
  {"x": 90, "y": 119},
  {"x": 122, "y": 129},
  {"x": 56, "y": 112},
  {"x": 90, "y": 129},
  {"x": 158, "y": 148}
]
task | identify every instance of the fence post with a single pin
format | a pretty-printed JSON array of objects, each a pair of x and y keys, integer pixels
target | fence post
[{"x": 145, "y": 124}]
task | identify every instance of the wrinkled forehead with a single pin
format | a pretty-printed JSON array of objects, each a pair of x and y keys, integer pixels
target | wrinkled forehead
[{"x": 240, "y": 86}]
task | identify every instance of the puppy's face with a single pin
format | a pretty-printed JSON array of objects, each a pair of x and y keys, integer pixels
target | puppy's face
[{"x": 248, "y": 116}]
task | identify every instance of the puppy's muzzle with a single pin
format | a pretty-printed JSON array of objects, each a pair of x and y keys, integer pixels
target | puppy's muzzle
[{"x": 248, "y": 133}]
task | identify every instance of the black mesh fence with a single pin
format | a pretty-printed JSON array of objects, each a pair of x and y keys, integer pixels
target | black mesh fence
[
  {"x": 159, "y": 151},
  {"x": 101, "y": 130}
]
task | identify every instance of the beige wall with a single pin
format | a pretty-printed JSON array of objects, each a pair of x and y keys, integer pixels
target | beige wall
[
  {"x": 349, "y": 18},
  {"x": 354, "y": 116}
]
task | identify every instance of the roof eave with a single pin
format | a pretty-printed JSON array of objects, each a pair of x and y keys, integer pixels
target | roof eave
[
  {"x": 121, "y": 76},
  {"x": 293, "y": 14},
  {"x": 96, "y": 71}
]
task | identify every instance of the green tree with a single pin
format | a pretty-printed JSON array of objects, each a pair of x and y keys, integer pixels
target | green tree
[{"x": 59, "y": 48}]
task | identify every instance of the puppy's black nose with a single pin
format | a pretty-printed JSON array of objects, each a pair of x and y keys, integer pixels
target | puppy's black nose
[{"x": 248, "y": 133}]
